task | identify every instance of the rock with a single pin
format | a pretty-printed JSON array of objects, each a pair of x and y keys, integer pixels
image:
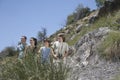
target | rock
[
  {"x": 73, "y": 37},
  {"x": 67, "y": 31},
  {"x": 71, "y": 50},
  {"x": 86, "y": 63},
  {"x": 92, "y": 19},
  {"x": 78, "y": 29}
]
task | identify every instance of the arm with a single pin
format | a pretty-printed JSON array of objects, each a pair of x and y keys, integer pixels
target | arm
[
  {"x": 53, "y": 54},
  {"x": 66, "y": 50}
]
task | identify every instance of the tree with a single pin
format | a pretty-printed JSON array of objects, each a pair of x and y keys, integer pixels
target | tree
[
  {"x": 42, "y": 34},
  {"x": 70, "y": 19},
  {"x": 79, "y": 13},
  {"x": 99, "y": 3}
]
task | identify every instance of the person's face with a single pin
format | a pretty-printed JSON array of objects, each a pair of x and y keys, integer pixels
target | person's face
[
  {"x": 23, "y": 40},
  {"x": 60, "y": 39},
  {"x": 32, "y": 42},
  {"x": 46, "y": 43}
]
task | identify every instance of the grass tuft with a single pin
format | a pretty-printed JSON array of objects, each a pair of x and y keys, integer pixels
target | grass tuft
[{"x": 30, "y": 69}]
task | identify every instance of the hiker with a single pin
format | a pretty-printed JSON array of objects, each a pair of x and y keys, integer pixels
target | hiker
[
  {"x": 21, "y": 47},
  {"x": 32, "y": 48},
  {"x": 45, "y": 52},
  {"x": 62, "y": 49}
]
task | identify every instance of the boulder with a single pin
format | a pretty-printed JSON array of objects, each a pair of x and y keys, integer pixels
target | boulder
[
  {"x": 86, "y": 63},
  {"x": 79, "y": 27}
]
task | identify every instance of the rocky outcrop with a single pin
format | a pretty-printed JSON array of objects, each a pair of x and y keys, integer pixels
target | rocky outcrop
[
  {"x": 86, "y": 63},
  {"x": 78, "y": 28}
]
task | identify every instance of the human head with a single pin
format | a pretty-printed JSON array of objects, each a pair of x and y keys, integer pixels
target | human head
[
  {"x": 23, "y": 39},
  {"x": 33, "y": 41},
  {"x": 47, "y": 42},
  {"x": 61, "y": 38}
]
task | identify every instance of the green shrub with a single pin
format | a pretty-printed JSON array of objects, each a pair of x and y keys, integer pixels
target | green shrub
[
  {"x": 117, "y": 77},
  {"x": 99, "y": 3},
  {"x": 30, "y": 69},
  {"x": 79, "y": 13},
  {"x": 9, "y": 51},
  {"x": 110, "y": 48},
  {"x": 108, "y": 21},
  {"x": 83, "y": 31},
  {"x": 70, "y": 19}
]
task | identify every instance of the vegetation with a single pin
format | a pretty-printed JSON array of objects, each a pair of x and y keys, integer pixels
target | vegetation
[
  {"x": 31, "y": 69},
  {"x": 111, "y": 21},
  {"x": 78, "y": 36},
  {"x": 9, "y": 51},
  {"x": 110, "y": 48},
  {"x": 99, "y": 3},
  {"x": 117, "y": 77},
  {"x": 79, "y": 13},
  {"x": 42, "y": 34}
]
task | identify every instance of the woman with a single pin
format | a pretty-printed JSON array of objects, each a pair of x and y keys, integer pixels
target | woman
[
  {"x": 45, "y": 52},
  {"x": 32, "y": 48}
]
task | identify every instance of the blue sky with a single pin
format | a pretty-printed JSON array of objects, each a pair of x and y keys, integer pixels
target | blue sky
[{"x": 26, "y": 17}]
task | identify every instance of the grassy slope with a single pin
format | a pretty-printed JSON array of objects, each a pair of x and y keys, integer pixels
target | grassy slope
[{"x": 108, "y": 21}]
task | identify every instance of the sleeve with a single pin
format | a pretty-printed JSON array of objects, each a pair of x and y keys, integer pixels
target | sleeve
[
  {"x": 53, "y": 45},
  {"x": 39, "y": 51},
  {"x": 67, "y": 47}
]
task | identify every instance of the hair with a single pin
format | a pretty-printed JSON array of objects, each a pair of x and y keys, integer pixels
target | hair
[
  {"x": 47, "y": 40},
  {"x": 35, "y": 40},
  {"x": 25, "y": 37},
  {"x": 63, "y": 37}
]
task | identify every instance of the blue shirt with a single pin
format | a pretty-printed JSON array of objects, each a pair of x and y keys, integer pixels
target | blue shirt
[{"x": 45, "y": 52}]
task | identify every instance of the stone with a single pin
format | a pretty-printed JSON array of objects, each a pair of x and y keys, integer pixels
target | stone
[
  {"x": 86, "y": 64},
  {"x": 79, "y": 27}
]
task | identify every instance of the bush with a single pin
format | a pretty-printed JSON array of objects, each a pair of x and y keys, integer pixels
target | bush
[
  {"x": 30, "y": 69},
  {"x": 110, "y": 48},
  {"x": 99, "y": 3},
  {"x": 79, "y": 13},
  {"x": 117, "y": 77},
  {"x": 9, "y": 51},
  {"x": 70, "y": 19}
]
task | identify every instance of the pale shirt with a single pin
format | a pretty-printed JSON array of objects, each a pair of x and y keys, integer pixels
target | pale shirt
[
  {"x": 20, "y": 49},
  {"x": 62, "y": 48},
  {"x": 55, "y": 46}
]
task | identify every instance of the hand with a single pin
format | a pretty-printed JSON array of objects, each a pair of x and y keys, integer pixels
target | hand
[{"x": 55, "y": 56}]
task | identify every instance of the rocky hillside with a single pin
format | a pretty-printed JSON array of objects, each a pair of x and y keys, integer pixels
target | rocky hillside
[
  {"x": 94, "y": 46},
  {"x": 86, "y": 64},
  {"x": 96, "y": 41}
]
